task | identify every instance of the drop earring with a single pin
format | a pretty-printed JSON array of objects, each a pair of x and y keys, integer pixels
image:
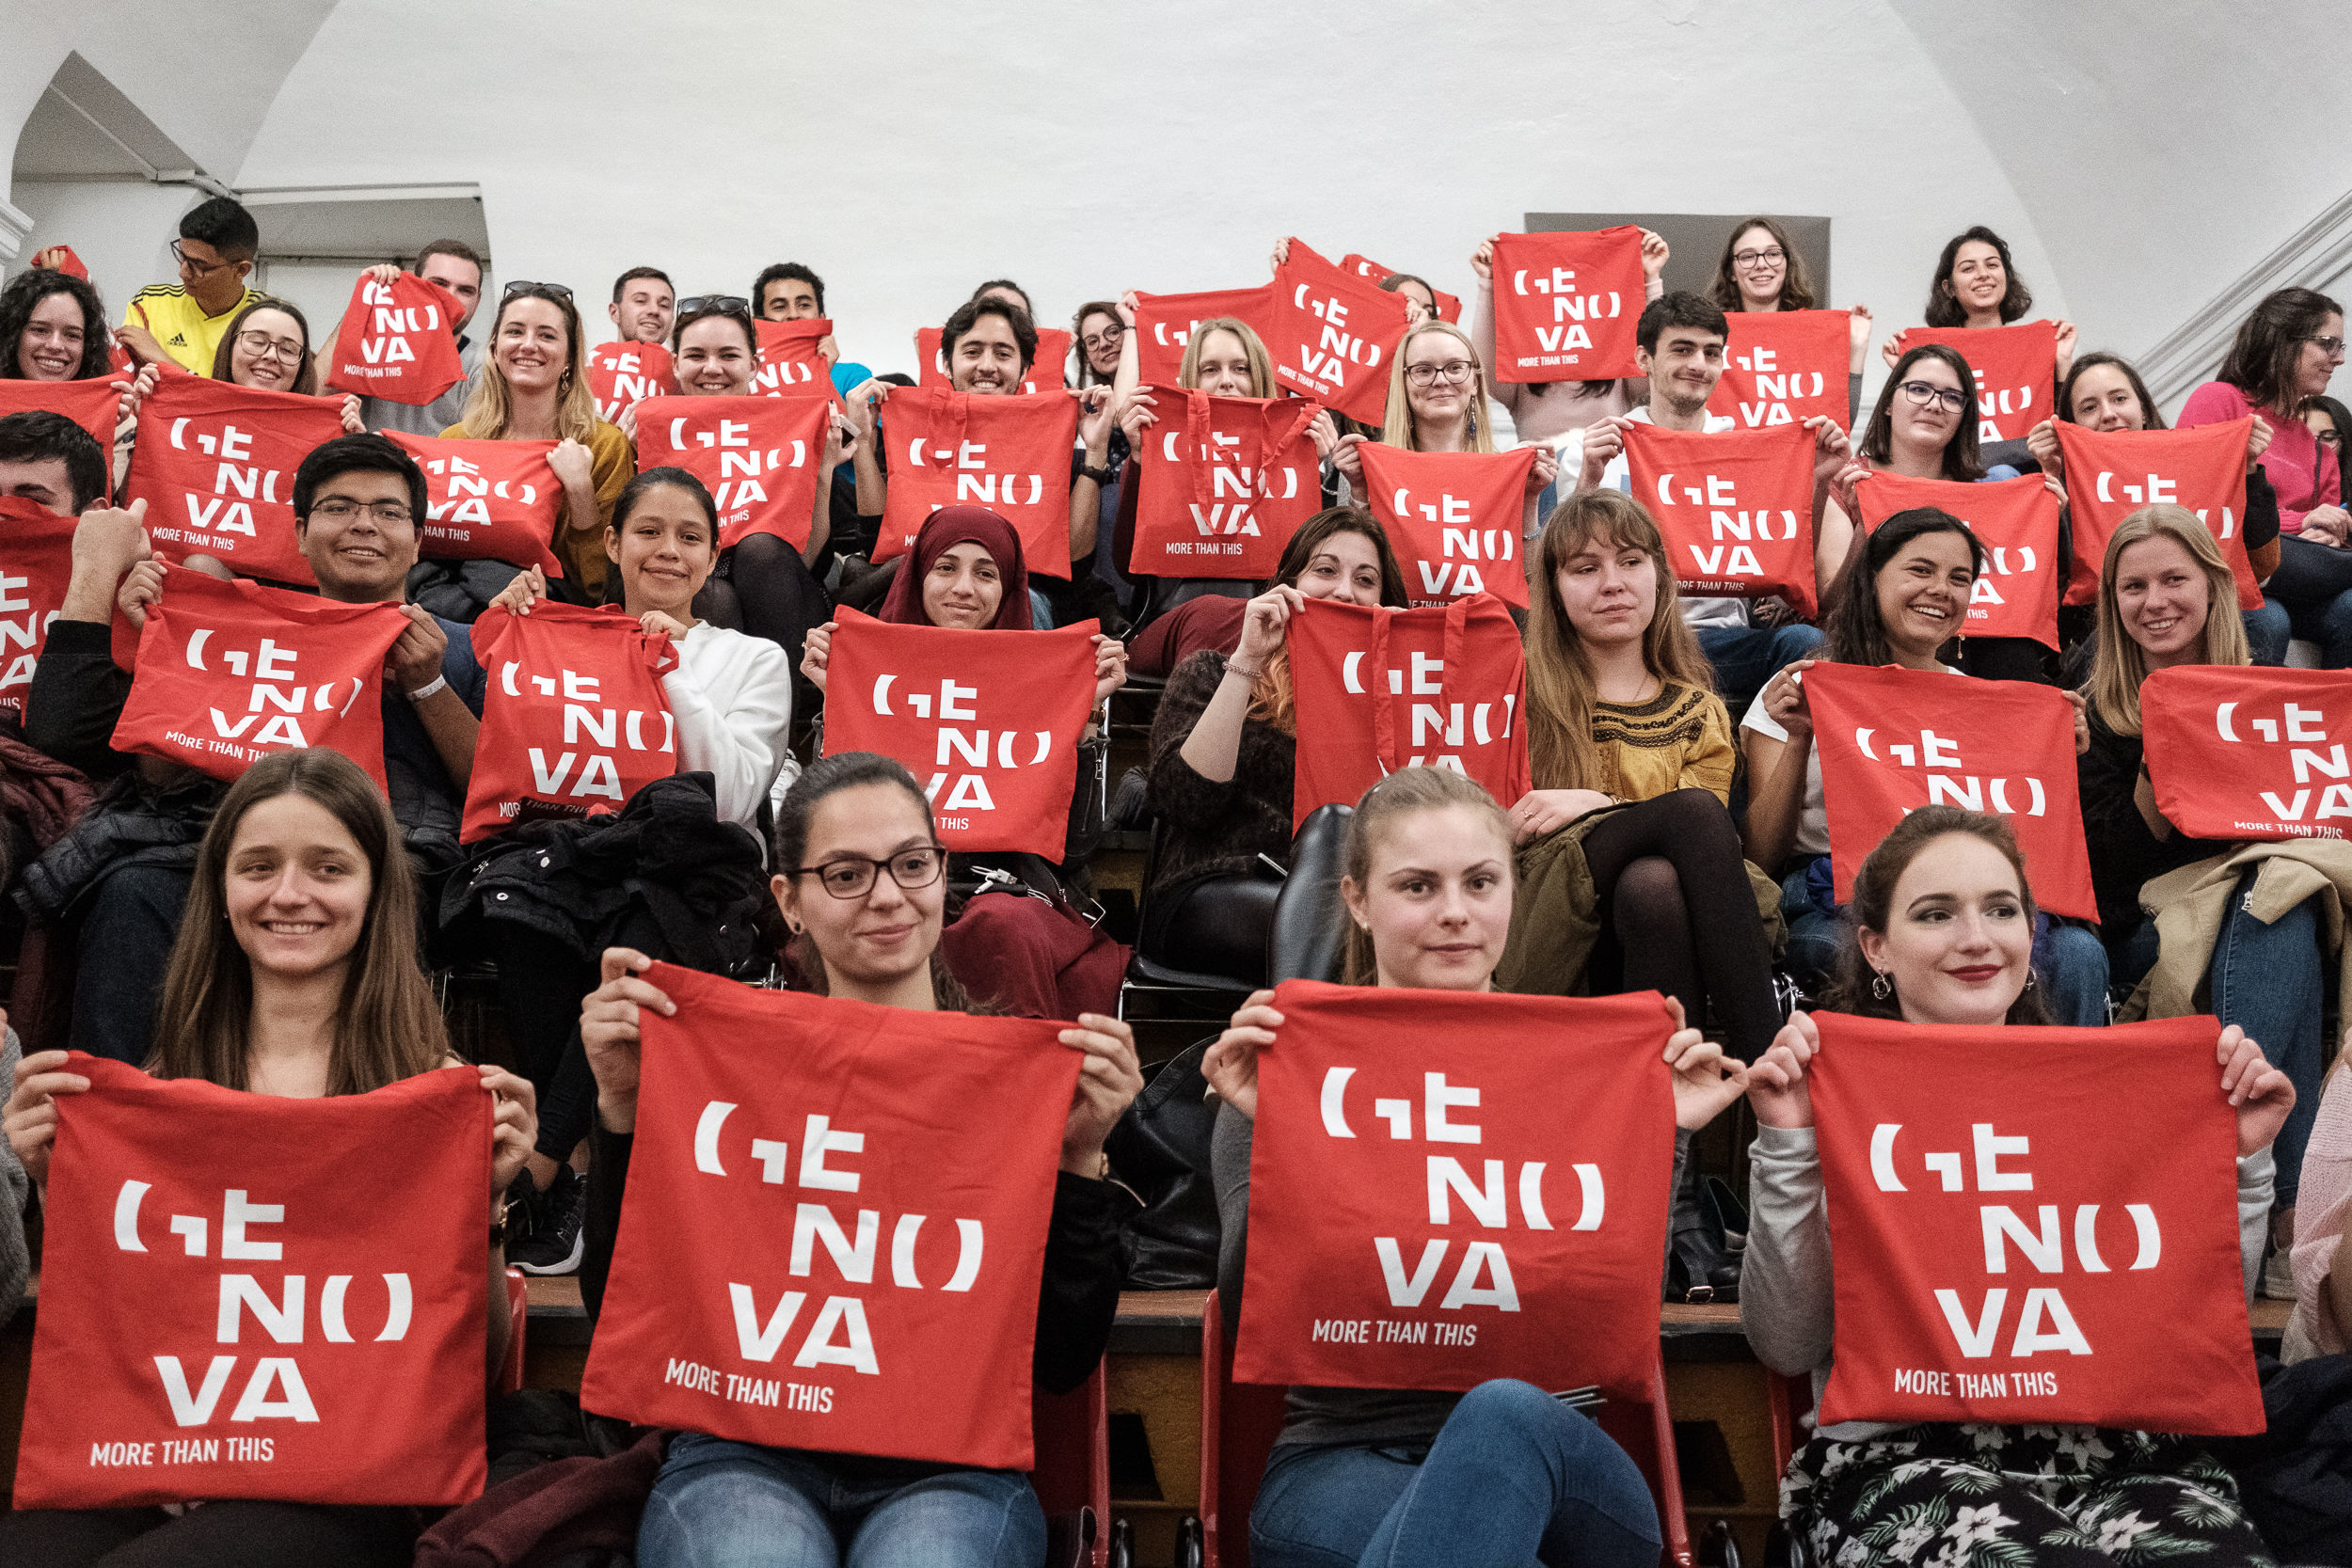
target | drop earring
[{"x": 1882, "y": 987}]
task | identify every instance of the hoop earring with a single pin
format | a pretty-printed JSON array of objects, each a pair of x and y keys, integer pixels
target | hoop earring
[
  {"x": 2032, "y": 979},
  {"x": 1883, "y": 987}
]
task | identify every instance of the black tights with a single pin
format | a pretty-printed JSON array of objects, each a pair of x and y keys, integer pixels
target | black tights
[
  {"x": 542, "y": 982},
  {"x": 775, "y": 595},
  {"x": 1657, "y": 865}
]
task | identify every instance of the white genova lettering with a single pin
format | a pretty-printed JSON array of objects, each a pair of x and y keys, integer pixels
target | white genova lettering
[
  {"x": 466, "y": 495},
  {"x": 276, "y": 691},
  {"x": 964, "y": 756},
  {"x": 837, "y": 1332},
  {"x": 2302, "y": 730},
  {"x": 1930, "y": 751},
  {"x": 1483, "y": 1278},
  {"x": 2044, "y": 1322},
  {"x": 977, "y": 484},
  {"x": 2150, "y": 489},
  {"x": 1455, "y": 723},
  {"x": 279, "y": 1307},
  {"x": 595, "y": 734},
  {"x": 236, "y": 482}
]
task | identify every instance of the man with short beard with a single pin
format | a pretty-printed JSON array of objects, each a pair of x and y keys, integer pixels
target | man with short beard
[
  {"x": 1680, "y": 350},
  {"x": 456, "y": 266}
]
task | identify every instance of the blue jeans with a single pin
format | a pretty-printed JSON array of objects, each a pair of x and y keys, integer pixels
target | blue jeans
[
  {"x": 722, "y": 1504},
  {"x": 1745, "y": 658},
  {"x": 2267, "y": 980},
  {"x": 2268, "y": 630},
  {"x": 1513, "y": 1477}
]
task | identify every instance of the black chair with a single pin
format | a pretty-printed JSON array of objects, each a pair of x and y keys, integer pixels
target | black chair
[
  {"x": 1153, "y": 990},
  {"x": 1310, "y": 925}
]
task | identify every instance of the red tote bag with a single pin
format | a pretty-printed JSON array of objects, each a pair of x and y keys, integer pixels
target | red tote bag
[
  {"x": 94, "y": 405},
  {"x": 1452, "y": 518},
  {"x": 2013, "y": 1246},
  {"x": 1010, "y": 454},
  {"x": 757, "y": 456},
  {"x": 1379, "y": 690},
  {"x": 1784, "y": 367},
  {"x": 230, "y": 672},
  {"x": 36, "y": 569},
  {"x": 1426, "y": 1208},
  {"x": 486, "y": 500},
  {"x": 623, "y": 374},
  {"x": 2113, "y": 474},
  {"x": 988, "y": 720},
  {"x": 2016, "y": 520},
  {"x": 1164, "y": 323},
  {"x": 2016, "y": 372},
  {"x": 215, "y": 463},
  {"x": 573, "y": 722},
  {"x": 397, "y": 343},
  {"x": 1048, "y": 371},
  {"x": 913, "y": 1161},
  {"x": 1333, "y": 338},
  {"x": 1222, "y": 483},
  {"x": 1449, "y": 307},
  {"x": 1567, "y": 305},
  {"x": 227, "y": 1313},
  {"x": 1736, "y": 508},
  {"x": 2238, "y": 754},
  {"x": 789, "y": 365},
  {"x": 1892, "y": 740}
]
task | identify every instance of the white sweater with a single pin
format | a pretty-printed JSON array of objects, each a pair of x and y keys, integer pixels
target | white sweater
[{"x": 733, "y": 698}]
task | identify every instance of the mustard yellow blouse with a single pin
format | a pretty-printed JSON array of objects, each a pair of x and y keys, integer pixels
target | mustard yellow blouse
[{"x": 1679, "y": 740}]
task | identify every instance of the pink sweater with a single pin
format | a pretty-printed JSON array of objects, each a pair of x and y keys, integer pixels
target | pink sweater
[{"x": 2301, "y": 470}]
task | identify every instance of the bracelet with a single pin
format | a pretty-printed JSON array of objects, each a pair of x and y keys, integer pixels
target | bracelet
[
  {"x": 1235, "y": 667},
  {"x": 440, "y": 683}
]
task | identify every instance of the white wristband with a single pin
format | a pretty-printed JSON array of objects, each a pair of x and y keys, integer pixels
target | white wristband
[{"x": 440, "y": 683}]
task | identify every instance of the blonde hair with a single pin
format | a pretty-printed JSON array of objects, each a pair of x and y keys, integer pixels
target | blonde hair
[
  {"x": 1560, "y": 683},
  {"x": 2121, "y": 664},
  {"x": 1384, "y": 807},
  {"x": 1397, "y": 428},
  {"x": 1260, "y": 362},
  {"x": 490, "y": 407}
]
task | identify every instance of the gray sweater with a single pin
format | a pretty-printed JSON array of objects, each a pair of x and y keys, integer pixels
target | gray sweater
[
  {"x": 16, "y": 1263},
  {"x": 1785, "y": 1280},
  {"x": 1371, "y": 1416}
]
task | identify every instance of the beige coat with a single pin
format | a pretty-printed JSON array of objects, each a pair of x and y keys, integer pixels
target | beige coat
[{"x": 2190, "y": 904}]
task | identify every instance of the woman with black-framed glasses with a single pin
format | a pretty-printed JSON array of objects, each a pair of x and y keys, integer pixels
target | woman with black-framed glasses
[
  {"x": 1439, "y": 401},
  {"x": 1924, "y": 427},
  {"x": 2285, "y": 353},
  {"x": 719, "y": 1500},
  {"x": 268, "y": 345},
  {"x": 1761, "y": 270}
]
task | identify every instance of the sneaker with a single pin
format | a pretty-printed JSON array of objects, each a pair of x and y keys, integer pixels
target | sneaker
[
  {"x": 556, "y": 1239},
  {"x": 2279, "y": 1276}
]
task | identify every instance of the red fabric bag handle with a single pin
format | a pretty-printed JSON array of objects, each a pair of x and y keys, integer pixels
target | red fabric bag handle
[{"x": 1384, "y": 698}]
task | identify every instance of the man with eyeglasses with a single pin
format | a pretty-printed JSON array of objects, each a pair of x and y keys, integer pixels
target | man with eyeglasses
[
  {"x": 184, "y": 321},
  {"x": 118, "y": 882},
  {"x": 1679, "y": 349},
  {"x": 456, "y": 266}
]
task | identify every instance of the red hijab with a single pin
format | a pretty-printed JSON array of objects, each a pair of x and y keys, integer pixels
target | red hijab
[{"x": 945, "y": 528}]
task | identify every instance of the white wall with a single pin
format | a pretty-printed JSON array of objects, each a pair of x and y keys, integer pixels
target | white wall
[{"x": 2130, "y": 153}]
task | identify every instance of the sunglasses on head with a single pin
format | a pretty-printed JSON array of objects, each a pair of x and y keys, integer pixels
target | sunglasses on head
[
  {"x": 557, "y": 289},
  {"x": 732, "y": 304}
]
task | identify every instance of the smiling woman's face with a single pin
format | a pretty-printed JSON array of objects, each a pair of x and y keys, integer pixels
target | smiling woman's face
[{"x": 665, "y": 550}]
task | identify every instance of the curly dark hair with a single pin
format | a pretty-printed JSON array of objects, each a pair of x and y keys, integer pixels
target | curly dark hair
[
  {"x": 1944, "y": 308},
  {"x": 25, "y": 290}
]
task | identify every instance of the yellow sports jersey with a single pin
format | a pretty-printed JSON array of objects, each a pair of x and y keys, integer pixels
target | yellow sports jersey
[{"x": 180, "y": 324}]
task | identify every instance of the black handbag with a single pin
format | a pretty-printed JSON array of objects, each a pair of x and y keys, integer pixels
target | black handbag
[{"x": 1160, "y": 1151}]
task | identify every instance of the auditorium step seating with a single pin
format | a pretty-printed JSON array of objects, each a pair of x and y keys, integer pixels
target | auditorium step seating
[{"x": 1718, "y": 1394}]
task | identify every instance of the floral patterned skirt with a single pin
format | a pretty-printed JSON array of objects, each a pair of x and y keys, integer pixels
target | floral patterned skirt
[{"x": 1945, "y": 1496}]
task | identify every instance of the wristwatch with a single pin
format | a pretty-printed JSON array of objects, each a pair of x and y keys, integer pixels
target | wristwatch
[{"x": 1101, "y": 476}]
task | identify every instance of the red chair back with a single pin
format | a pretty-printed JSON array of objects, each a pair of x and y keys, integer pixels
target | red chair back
[
  {"x": 519, "y": 1318},
  {"x": 1786, "y": 1398},
  {"x": 1239, "y": 1422},
  {"x": 1073, "y": 1468}
]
